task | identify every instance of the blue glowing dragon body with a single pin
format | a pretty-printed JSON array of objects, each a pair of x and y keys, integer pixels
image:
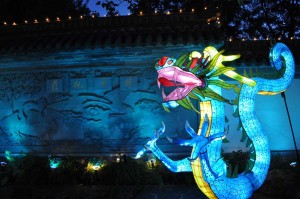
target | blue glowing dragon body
[{"x": 197, "y": 77}]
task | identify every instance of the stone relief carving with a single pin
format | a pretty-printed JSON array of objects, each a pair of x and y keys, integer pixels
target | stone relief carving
[{"x": 63, "y": 108}]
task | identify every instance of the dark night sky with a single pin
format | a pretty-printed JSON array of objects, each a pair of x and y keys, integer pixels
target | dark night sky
[{"x": 92, "y": 5}]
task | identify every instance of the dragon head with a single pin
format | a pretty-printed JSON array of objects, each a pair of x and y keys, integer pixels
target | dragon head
[
  {"x": 192, "y": 74},
  {"x": 182, "y": 81}
]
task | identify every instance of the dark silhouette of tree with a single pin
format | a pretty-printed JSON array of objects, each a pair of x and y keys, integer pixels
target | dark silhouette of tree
[
  {"x": 20, "y": 10},
  {"x": 155, "y": 6},
  {"x": 262, "y": 19},
  {"x": 110, "y": 7},
  {"x": 248, "y": 19}
]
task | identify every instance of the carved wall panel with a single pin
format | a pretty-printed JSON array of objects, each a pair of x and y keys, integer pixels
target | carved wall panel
[{"x": 84, "y": 112}]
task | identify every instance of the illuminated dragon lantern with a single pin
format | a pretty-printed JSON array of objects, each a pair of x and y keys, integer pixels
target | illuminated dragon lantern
[{"x": 196, "y": 76}]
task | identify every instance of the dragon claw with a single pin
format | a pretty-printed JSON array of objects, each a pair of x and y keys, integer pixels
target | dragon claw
[
  {"x": 150, "y": 145},
  {"x": 170, "y": 139},
  {"x": 162, "y": 130}
]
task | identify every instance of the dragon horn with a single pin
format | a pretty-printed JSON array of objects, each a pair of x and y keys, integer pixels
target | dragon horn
[{"x": 189, "y": 129}]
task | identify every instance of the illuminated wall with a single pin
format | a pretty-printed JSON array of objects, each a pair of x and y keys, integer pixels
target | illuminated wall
[
  {"x": 94, "y": 101},
  {"x": 83, "y": 105}
]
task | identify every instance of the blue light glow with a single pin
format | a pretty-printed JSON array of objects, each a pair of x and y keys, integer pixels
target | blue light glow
[
  {"x": 54, "y": 162},
  {"x": 205, "y": 160}
]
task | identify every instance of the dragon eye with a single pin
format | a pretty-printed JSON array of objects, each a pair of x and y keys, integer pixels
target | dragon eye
[{"x": 162, "y": 61}]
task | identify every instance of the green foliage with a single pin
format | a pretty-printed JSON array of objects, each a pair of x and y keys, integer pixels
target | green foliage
[
  {"x": 225, "y": 140},
  {"x": 222, "y": 84},
  {"x": 35, "y": 171},
  {"x": 181, "y": 60},
  {"x": 70, "y": 171},
  {"x": 166, "y": 108},
  {"x": 221, "y": 71},
  {"x": 211, "y": 94},
  {"x": 8, "y": 156},
  {"x": 131, "y": 172},
  {"x": 244, "y": 136},
  {"x": 261, "y": 19},
  {"x": 186, "y": 103},
  {"x": 236, "y": 162},
  {"x": 110, "y": 7},
  {"x": 27, "y": 170}
]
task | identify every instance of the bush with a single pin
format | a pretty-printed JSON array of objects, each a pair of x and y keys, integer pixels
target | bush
[
  {"x": 70, "y": 171},
  {"x": 28, "y": 170},
  {"x": 131, "y": 172},
  {"x": 236, "y": 162}
]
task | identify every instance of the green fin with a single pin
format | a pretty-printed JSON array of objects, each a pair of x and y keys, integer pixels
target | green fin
[
  {"x": 222, "y": 84},
  {"x": 221, "y": 71},
  {"x": 244, "y": 136},
  {"x": 180, "y": 61}
]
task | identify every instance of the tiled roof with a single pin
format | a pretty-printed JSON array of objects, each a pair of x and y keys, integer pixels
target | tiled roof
[
  {"x": 93, "y": 39},
  {"x": 120, "y": 31}
]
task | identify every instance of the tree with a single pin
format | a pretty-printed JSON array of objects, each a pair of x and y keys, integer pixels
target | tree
[
  {"x": 20, "y": 10},
  {"x": 155, "y": 6},
  {"x": 247, "y": 19},
  {"x": 262, "y": 19},
  {"x": 110, "y": 7}
]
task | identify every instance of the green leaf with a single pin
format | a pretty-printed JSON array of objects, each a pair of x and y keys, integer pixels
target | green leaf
[
  {"x": 197, "y": 91},
  {"x": 225, "y": 140},
  {"x": 194, "y": 70},
  {"x": 193, "y": 96},
  {"x": 235, "y": 172},
  {"x": 189, "y": 64},
  {"x": 186, "y": 103},
  {"x": 191, "y": 104},
  {"x": 179, "y": 62},
  {"x": 221, "y": 71},
  {"x": 221, "y": 83},
  {"x": 229, "y": 171},
  {"x": 166, "y": 108}
]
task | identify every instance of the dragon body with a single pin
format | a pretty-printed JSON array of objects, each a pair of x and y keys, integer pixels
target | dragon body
[{"x": 197, "y": 76}]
